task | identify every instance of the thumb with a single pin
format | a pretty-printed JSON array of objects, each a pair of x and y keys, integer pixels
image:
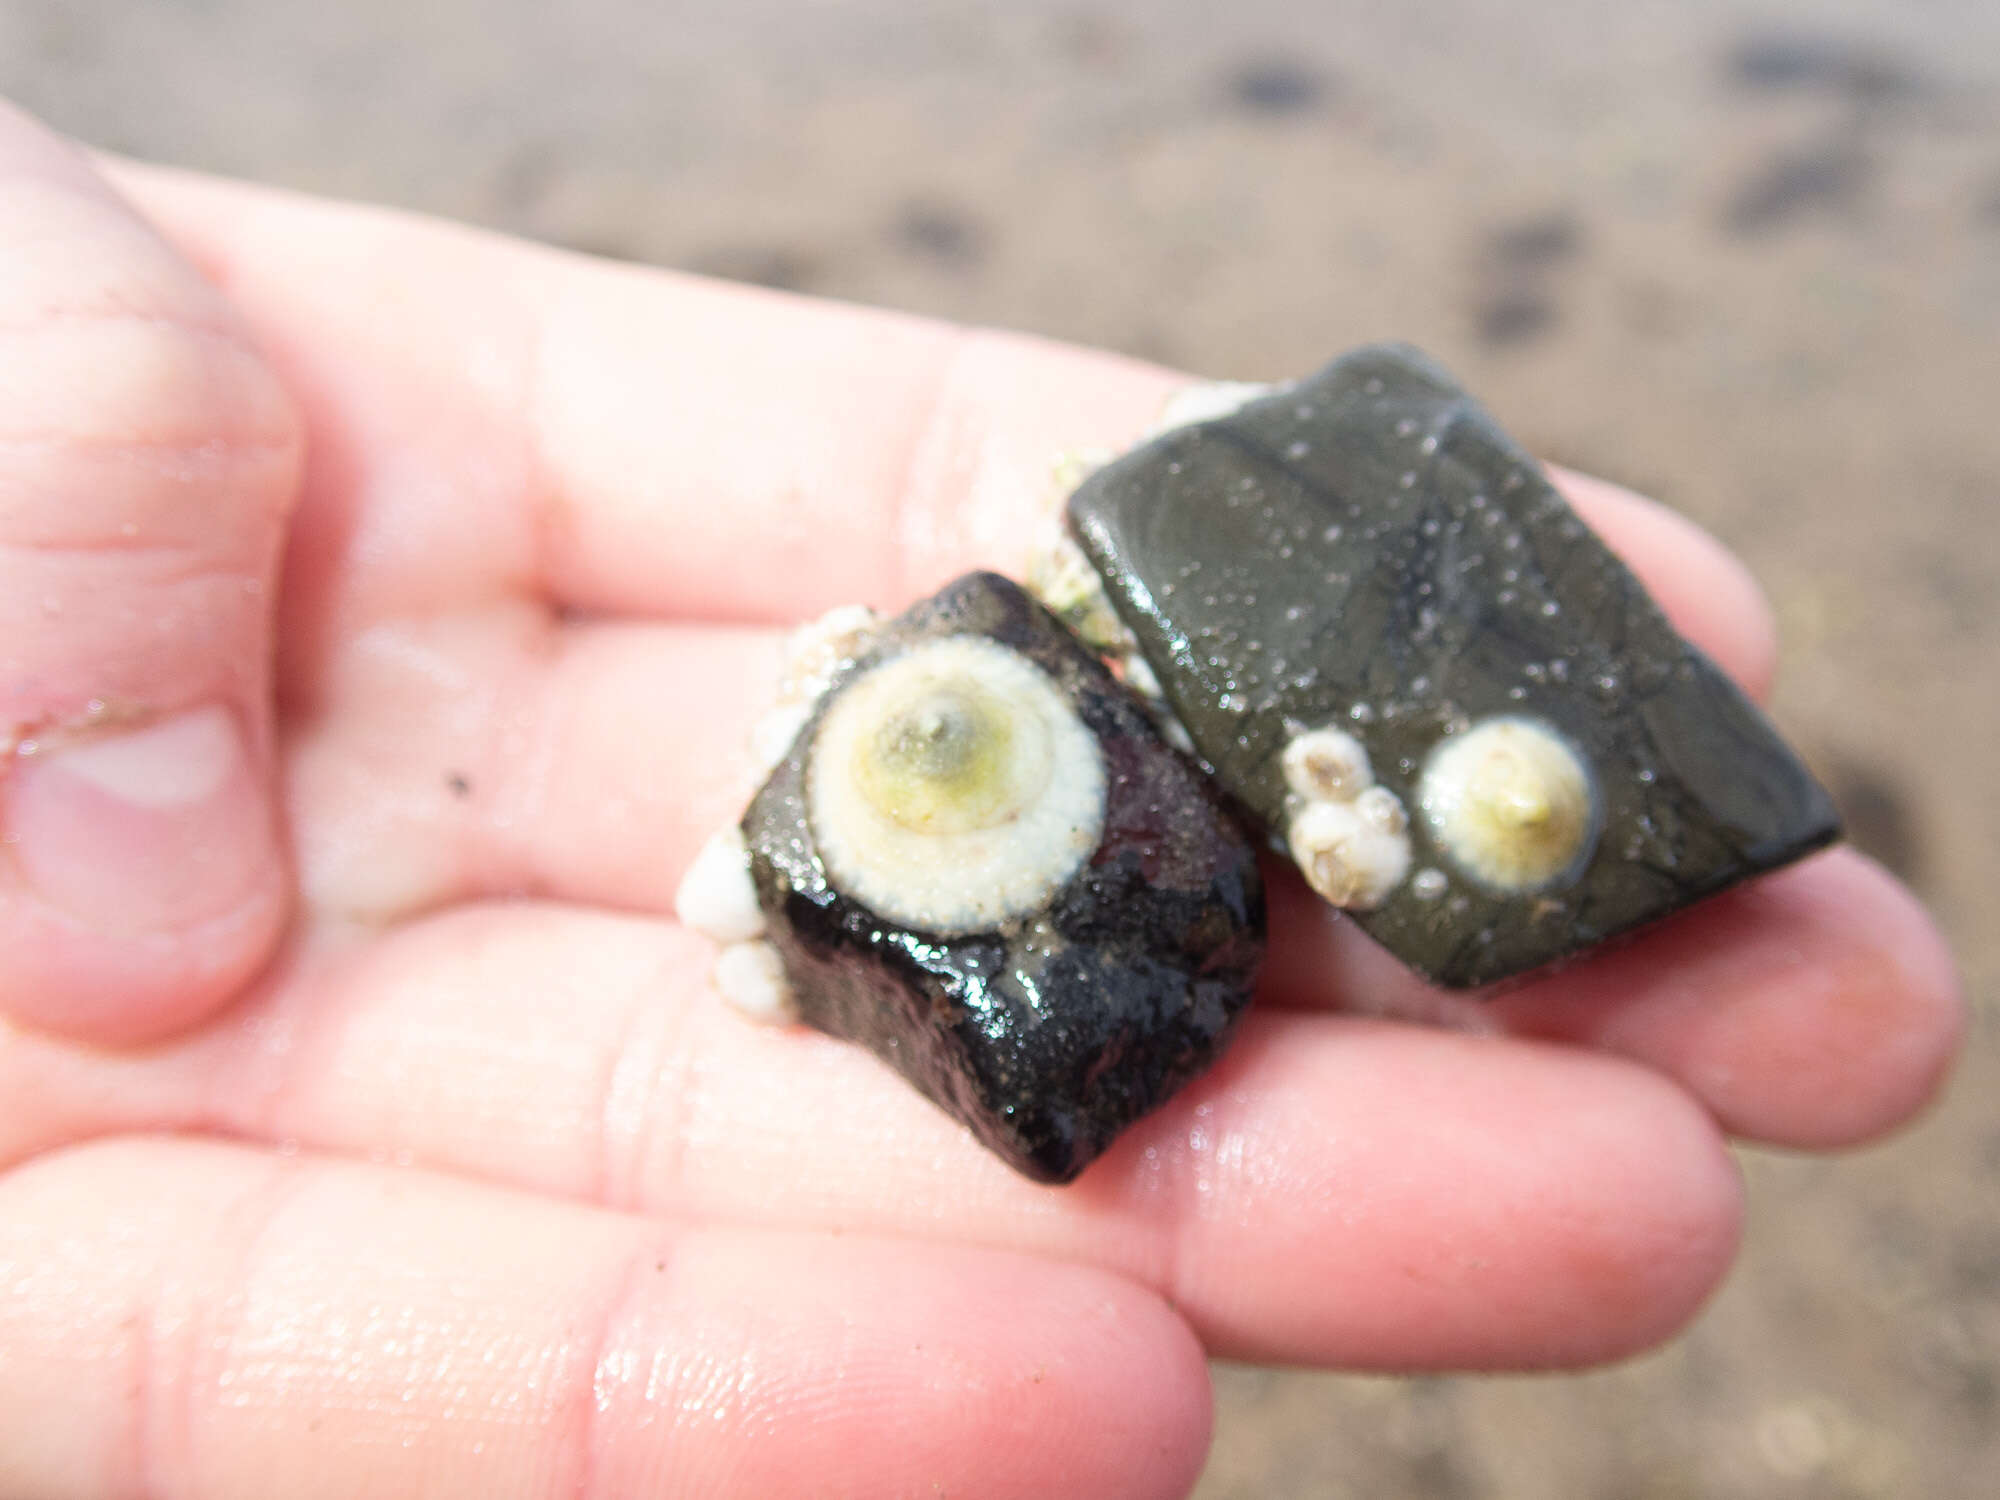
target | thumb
[{"x": 147, "y": 458}]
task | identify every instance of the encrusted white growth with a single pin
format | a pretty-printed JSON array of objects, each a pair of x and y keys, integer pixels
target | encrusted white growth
[
  {"x": 1348, "y": 836},
  {"x": 1059, "y": 574},
  {"x": 814, "y": 654},
  {"x": 1327, "y": 765},
  {"x": 953, "y": 788},
  {"x": 751, "y": 977},
  {"x": 1382, "y": 810},
  {"x": 1174, "y": 732},
  {"x": 1349, "y": 858},
  {"x": 1428, "y": 884},
  {"x": 819, "y": 648},
  {"x": 1071, "y": 469},
  {"x": 1061, "y": 577},
  {"x": 1205, "y": 401},
  {"x": 1141, "y": 678},
  {"x": 716, "y": 896},
  {"x": 1512, "y": 803}
]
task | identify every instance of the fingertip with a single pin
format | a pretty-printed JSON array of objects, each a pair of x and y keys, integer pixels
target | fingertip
[
  {"x": 1847, "y": 1028},
  {"x": 137, "y": 990},
  {"x": 1815, "y": 1008},
  {"x": 1928, "y": 1011},
  {"x": 1862, "y": 1036},
  {"x": 150, "y": 458},
  {"x": 141, "y": 878},
  {"x": 967, "y": 1371},
  {"x": 1467, "y": 1203},
  {"x": 1658, "y": 1253}
]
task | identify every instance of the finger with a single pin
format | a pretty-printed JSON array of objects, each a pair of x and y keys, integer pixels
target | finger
[
  {"x": 1818, "y": 1007},
  {"x": 488, "y": 751},
  {"x": 690, "y": 447},
  {"x": 199, "y": 1319},
  {"x": 146, "y": 460},
  {"x": 1335, "y": 1191},
  {"x": 1813, "y": 1008}
]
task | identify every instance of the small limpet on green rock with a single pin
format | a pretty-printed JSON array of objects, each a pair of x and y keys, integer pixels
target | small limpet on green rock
[{"x": 1511, "y": 803}]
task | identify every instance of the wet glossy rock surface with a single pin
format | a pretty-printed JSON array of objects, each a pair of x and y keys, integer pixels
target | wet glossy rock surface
[
  {"x": 1050, "y": 1034},
  {"x": 1366, "y": 548}
]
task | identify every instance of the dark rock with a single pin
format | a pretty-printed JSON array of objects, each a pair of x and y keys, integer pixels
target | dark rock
[
  {"x": 1367, "y": 549},
  {"x": 1050, "y": 1034}
]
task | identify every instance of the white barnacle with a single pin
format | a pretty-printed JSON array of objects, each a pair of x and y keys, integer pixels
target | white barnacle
[
  {"x": 751, "y": 977},
  {"x": 1141, "y": 678},
  {"x": 1326, "y": 765},
  {"x": 716, "y": 896},
  {"x": 1348, "y": 836},
  {"x": 953, "y": 788},
  {"x": 1347, "y": 853},
  {"x": 1511, "y": 802},
  {"x": 1382, "y": 809}
]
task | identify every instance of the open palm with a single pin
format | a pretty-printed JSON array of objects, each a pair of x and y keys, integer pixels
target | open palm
[{"x": 475, "y": 1188}]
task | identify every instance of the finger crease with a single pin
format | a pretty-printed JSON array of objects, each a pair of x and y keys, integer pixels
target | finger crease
[
  {"x": 607, "y": 1367},
  {"x": 635, "y": 1086},
  {"x": 660, "y": 1164},
  {"x": 546, "y": 504},
  {"x": 180, "y": 1360}
]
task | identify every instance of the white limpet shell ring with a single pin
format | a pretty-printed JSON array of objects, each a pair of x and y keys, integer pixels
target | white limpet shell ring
[{"x": 953, "y": 788}]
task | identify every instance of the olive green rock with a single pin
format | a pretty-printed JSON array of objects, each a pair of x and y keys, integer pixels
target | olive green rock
[{"x": 1367, "y": 549}]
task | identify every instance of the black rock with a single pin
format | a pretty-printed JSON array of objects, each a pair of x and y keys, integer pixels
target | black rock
[
  {"x": 1367, "y": 549},
  {"x": 1049, "y": 1033}
]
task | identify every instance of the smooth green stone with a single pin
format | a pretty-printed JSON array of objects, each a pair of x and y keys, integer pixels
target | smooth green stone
[{"x": 1366, "y": 548}]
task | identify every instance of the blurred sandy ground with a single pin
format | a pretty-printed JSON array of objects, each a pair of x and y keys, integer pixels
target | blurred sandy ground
[{"x": 1745, "y": 258}]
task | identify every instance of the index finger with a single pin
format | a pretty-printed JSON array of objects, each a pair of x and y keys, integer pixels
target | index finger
[{"x": 685, "y": 447}]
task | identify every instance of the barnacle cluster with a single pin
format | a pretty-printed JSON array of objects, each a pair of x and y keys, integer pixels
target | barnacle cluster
[{"x": 1348, "y": 836}]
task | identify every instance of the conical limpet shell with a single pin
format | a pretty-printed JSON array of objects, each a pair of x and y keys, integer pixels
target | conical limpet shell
[{"x": 953, "y": 787}]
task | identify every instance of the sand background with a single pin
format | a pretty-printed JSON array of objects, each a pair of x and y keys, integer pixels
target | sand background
[{"x": 1745, "y": 258}]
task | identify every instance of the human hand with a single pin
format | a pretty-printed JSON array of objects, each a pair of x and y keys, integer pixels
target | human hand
[{"x": 475, "y": 1189}]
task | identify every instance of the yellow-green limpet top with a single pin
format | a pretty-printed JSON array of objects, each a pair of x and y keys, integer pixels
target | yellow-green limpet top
[
  {"x": 953, "y": 788},
  {"x": 1511, "y": 803}
]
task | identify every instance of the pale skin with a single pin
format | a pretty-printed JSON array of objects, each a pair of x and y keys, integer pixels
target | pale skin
[{"x": 386, "y": 608}]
